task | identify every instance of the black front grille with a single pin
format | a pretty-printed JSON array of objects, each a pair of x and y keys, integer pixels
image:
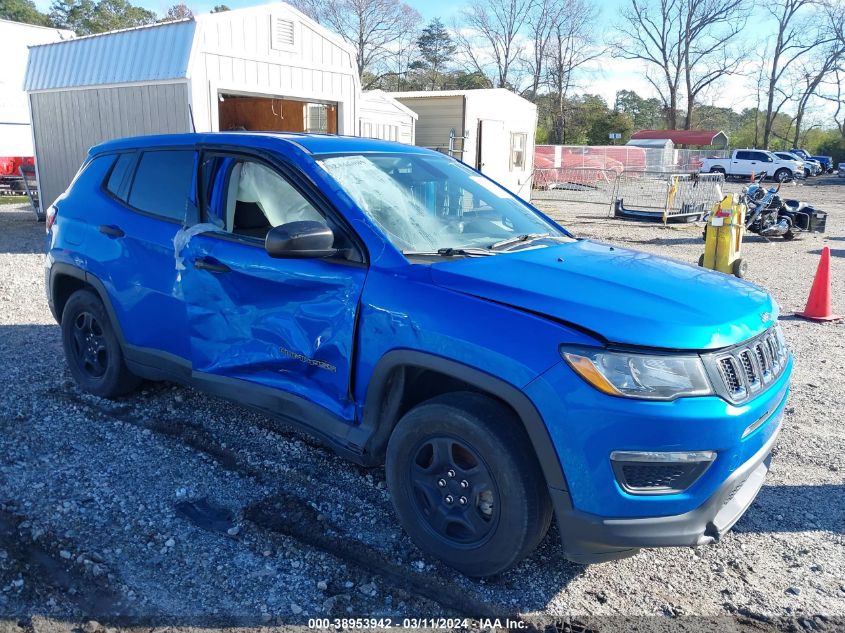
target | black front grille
[
  {"x": 748, "y": 367},
  {"x": 730, "y": 374},
  {"x": 745, "y": 369}
]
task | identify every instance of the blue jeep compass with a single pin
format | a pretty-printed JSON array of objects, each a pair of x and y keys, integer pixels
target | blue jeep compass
[{"x": 411, "y": 312}]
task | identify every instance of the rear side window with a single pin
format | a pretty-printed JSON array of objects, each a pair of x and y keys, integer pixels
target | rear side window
[
  {"x": 116, "y": 184},
  {"x": 743, "y": 156},
  {"x": 163, "y": 183}
]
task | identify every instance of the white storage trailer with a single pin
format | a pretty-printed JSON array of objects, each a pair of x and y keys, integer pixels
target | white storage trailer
[
  {"x": 490, "y": 129},
  {"x": 383, "y": 117},
  {"x": 263, "y": 68},
  {"x": 15, "y": 39}
]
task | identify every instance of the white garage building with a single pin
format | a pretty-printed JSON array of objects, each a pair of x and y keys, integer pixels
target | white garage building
[
  {"x": 263, "y": 68},
  {"x": 493, "y": 131}
]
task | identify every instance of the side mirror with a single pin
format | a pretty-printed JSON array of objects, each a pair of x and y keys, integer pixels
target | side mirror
[{"x": 305, "y": 239}]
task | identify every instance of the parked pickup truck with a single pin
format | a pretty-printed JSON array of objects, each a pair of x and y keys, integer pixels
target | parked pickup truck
[
  {"x": 813, "y": 164},
  {"x": 826, "y": 162},
  {"x": 744, "y": 162}
]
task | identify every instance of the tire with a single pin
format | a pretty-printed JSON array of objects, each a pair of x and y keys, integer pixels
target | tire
[
  {"x": 466, "y": 441},
  {"x": 788, "y": 236},
  {"x": 739, "y": 268},
  {"x": 783, "y": 174},
  {"x": 701, "y": 260},
  {"x": 718, "y": 170},
  {"x": 92, "y": 350}
]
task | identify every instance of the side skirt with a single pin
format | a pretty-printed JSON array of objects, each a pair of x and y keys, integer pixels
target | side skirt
[{"x": 344, "y": 438}]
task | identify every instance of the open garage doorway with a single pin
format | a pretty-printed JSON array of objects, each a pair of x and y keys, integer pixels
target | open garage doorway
[{"x": 274, "y": 114}]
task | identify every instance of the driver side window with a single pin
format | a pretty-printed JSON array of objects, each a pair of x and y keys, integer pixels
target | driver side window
[{"x": 248, "y": 198}]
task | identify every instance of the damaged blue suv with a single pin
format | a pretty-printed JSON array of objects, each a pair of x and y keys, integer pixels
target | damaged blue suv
[{"x": 411, "y": 312}]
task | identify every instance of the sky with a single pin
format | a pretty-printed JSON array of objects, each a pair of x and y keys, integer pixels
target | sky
[{"x": 605, "y": 78}]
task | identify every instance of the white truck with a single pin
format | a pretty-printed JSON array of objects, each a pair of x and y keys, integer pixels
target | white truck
[{"x": 744, "y": 162}]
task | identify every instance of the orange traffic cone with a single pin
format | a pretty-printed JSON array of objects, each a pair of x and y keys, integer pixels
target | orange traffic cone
[
  {"x": 818, "y": 303},
  {"x": 752, "y": 180}
]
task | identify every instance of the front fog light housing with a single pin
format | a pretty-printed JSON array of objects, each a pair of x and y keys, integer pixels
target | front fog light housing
[{"x": 645, "y": 376}]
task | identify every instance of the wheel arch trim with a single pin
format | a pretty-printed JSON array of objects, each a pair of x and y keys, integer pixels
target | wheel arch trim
[
  {"x": 61, "y": 269},
  {"x": 379, "y": 393}
]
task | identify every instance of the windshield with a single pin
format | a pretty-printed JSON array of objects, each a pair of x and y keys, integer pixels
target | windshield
[{"x": 429, "y": 203}]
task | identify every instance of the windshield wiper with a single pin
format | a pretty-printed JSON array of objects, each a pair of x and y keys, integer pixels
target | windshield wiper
[
  {"x": 519, "y": 239},
  {"x": 453, "y": 252}
]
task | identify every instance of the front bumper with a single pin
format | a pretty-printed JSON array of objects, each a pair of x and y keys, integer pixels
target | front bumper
[{"x": 588, "y": 538}]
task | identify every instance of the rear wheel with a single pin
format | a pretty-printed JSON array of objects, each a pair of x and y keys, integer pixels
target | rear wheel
[
  {"x": 93, "y": 353},
  {"x": 465, "y": 483},
  {"x": 783, "y": 174}
]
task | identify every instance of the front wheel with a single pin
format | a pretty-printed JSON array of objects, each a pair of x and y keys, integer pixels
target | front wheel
[
  {"x": 782, "y": 175},
  {"x": 93, "y": 353},
  {"x": 466, "y": 485}
]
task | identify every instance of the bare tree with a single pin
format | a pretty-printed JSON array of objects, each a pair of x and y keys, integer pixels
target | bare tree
[
  {"x": 826, "y": 58},
  {"x": 709, "y": 28},
  {"x": 682, "y": 41},
  {"x": 178, "y": 12},
  {"x": 489, "y": 38},
  {"x": 373, "y": 27},
  {"x": 795, "y": 36},
  {"x": 571, "y": 47},
  {"x": 542, "y": 20},
  {"x": 651, "y": 33}
]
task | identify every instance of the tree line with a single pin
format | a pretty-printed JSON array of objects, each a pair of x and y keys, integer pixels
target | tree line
[
  {"x": 789, "y": 55},
  {"x": 87, "y": 17}
]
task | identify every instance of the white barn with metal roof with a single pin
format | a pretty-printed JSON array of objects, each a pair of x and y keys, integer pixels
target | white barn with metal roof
[{"x": 268, "y": 67}]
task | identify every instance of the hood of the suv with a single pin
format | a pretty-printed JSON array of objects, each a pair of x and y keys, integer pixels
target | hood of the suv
[{"x": 625, "y": 296}]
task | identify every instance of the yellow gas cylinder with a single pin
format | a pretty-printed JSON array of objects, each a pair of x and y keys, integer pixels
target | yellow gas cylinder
[{"x": 723, "y": 238}]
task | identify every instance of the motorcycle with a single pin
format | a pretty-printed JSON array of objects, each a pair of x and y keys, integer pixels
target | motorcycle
[{"x": 769, "y": 215}]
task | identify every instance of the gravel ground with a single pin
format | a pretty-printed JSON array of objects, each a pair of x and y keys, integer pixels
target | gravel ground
[{"x": 174, "y": 508}]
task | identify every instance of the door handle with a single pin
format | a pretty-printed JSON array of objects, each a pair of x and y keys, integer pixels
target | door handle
[
  {"x": 211, "y": 265},
  {"x": 111, "y": 230}
]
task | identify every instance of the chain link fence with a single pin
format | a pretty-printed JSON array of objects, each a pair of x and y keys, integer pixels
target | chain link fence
[
  {"x": 575, "y": 184},
  {"x": 643, "y": 195}
]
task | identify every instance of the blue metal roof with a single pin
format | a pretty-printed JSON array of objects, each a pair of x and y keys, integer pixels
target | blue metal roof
[
  {"x": 311, "y": 143},
  {"x": 150, "y": 53}
]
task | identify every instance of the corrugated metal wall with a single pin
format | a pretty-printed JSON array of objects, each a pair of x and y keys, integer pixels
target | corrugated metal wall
[
  {"x": 67, "y": 123},
  {"x": 437, "y": 117}
]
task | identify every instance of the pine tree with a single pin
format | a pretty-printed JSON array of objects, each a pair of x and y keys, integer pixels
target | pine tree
[{"x": 436, "y": 49}]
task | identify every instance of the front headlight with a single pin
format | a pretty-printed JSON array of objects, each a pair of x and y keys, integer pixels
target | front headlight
[{"x": 647, "y": 376}]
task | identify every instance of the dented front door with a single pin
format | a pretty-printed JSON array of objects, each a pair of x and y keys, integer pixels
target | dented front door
[{"x": 286, "y": 324}]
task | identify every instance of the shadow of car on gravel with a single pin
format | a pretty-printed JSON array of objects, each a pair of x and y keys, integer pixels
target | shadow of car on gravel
[{"x": 287, "y": 515}]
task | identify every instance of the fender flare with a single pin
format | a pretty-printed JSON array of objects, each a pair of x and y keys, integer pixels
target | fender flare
[
  {"x": 61, "y": 269},
  {"x": 378, "y": 420}
]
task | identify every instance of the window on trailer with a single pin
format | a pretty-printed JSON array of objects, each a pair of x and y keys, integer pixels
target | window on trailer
[{"x": 518, "y": 143}]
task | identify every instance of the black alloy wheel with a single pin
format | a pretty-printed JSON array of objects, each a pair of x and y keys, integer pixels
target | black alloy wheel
[{"x": 454, "y": 491}]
